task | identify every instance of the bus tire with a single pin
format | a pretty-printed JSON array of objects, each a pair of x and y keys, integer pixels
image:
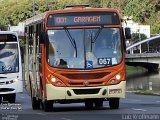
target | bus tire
[
  {"x": 99, "y": 103},
  {"x": 35, "y": 103},
  {"x": 89, "y": 104},
  {"x": 47, "y": 106},
  {"x": 114, "y": 103}
]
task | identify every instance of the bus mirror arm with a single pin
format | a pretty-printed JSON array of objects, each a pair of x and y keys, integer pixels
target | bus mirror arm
[
  {"x": 127, "y": 33},
  {"x": 124, "y": 38},
  {"x": 42, "y": 37}
]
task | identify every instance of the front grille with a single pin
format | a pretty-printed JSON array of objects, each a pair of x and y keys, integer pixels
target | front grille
[
  {"x": 86, "y": 91},
  {"x": 2, "y": 83},
  {"x": 85, "y": 76},
  {"x": 6, "y": 89},
  {"x": 89, "y": 83},
  {"x": 6, "y": 82}
]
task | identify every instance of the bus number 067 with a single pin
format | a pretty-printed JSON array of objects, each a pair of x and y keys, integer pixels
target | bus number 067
[{"x": 104, "y": 61}]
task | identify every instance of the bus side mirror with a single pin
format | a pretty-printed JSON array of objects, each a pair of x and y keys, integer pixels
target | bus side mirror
[{"x": 127, "y": 33}]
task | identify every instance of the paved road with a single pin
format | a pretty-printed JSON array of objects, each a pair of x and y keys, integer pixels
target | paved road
[{"x": 133, "y": 107}]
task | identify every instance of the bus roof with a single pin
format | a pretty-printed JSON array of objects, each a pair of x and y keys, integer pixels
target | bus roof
[
  {"x": 37, "y": 18},
  {"x": 9, "y": 32},
  {"x": 8, "y": 36},
  {"x": 40, "y": 17}
]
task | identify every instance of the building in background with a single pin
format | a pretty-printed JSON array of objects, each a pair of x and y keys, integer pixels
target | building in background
[
  {"x": 19, "y": 29},
  {"x": 136, "y": 27}
]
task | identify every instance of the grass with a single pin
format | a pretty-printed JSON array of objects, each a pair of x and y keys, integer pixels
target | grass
[
  {"x": 130, "y": 70},
  {"x": 147, "y": 92}
]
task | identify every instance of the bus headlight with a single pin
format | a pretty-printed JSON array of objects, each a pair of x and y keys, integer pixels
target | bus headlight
[
  {"x": 53, "y": 79},
  {"x": 56, "y": 82},
  {"x": 118, "y": 77},
  {"x": 16, "y": 79},
  {"x": 115, "y": 80},
  {"x": 59, "y": 83}
]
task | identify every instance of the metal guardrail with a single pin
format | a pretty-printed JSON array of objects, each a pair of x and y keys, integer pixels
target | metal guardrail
[
  {"x": 143, "y": 41},
  {"x": 143, "y": 55}
]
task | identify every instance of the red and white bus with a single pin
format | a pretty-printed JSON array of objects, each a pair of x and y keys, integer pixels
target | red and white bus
[{"x": 75, "y": 55}]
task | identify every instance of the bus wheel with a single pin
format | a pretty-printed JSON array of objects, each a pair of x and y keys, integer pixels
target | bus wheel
[
  {"x": 88, "y": 104},
  {"x": 99, "y": 103},
  {"x": 47, "y": 106},
  {"x": 11, "y": 98},
  {"x": 35, "y": 103},
  {"x": 114, "y": 103}
]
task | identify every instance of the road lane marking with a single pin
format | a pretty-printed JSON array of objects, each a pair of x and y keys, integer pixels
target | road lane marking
[
  {"x": 139, "y": 109},
  {"x": 65, "y": 119},
  {"x": 40, "y": 113},
  {"x": 133, "y": 100},
  {"x": 105, "y": 106}
]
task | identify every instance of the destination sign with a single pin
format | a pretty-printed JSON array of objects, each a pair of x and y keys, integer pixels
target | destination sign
[
  {"x": 7, "y": 38},
  {"x": 83, "y": 19}
]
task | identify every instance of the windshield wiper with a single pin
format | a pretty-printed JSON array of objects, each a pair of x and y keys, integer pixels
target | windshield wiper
[
  {"x": 72, "y": 40},
  {"x": 97, "y": 34},
  {"x": 95, "y": 37}
]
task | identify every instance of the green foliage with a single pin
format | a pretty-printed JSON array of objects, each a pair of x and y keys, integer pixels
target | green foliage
[
  {"x": 117, "y": 4},
  {"x": 142, "y": 11},
  {"x": 137, "y": 36},
  {"x": 17, "y": 10},
  {"x": 145, "y": 12}
]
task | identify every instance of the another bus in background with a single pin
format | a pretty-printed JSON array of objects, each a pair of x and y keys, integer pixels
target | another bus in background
[{"x": 10, "y": 67}]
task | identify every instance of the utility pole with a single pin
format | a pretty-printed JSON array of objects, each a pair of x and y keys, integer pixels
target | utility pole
[
  {"x": 140, "y": 49},
  {"x": 33, "y": 7},
  {"x": 10, "y": 22}
]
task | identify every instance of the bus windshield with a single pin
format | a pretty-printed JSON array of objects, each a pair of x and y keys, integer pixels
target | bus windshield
[
  {"x": 84, "y": 48},
  {"x": 8, "y": 57}
]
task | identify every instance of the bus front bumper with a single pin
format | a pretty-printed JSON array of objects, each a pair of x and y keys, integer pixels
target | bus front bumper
[
  {"x": 68, "y": 93},
  {"x": 10, "y": 88}
]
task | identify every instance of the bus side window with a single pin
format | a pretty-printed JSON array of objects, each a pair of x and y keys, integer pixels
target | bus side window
[{"x": 30, "y": 46}]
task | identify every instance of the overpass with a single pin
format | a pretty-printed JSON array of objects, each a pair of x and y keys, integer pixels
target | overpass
[
  {"x": 142, "y": 41},
  {"x": 150, "y": 61}
]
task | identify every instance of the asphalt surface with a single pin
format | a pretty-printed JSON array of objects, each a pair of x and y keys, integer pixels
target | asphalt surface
[{"x": 133, "y": 107}]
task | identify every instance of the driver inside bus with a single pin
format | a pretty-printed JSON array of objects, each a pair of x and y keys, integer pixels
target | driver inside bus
[
  {"x": 104, "y": 47},
  {"x": 54, "y": 57}
]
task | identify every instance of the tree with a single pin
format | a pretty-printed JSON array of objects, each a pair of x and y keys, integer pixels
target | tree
[
  {"x": 117, "y": 4},
  {"x": 142, "y": 11},
  {"x": 138, "y": 36}
]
